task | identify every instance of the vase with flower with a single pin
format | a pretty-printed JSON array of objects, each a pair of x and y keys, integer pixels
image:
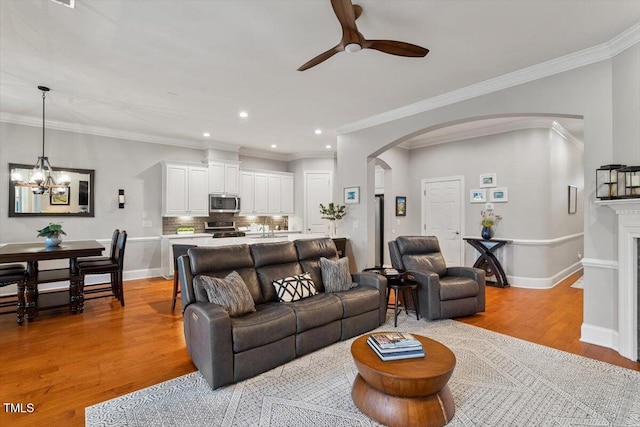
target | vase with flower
[
  {"x": 332, "y": 212},
  {"x": 51, "y": 234},
  {"x": 489, "y": 219}
]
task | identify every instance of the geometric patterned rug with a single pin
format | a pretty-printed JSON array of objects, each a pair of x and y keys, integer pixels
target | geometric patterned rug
[{"x": 498, "y": 381}]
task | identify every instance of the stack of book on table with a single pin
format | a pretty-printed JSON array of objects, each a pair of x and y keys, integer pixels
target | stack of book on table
[{"x": 395, "y": 345}]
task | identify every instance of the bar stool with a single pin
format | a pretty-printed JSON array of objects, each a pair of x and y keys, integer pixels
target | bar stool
[
  {"x": 178, "y": 251},
  {"x": 11, "y": 274}
]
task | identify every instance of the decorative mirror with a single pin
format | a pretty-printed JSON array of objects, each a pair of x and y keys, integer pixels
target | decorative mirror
[{"x": 74, "y": 200}]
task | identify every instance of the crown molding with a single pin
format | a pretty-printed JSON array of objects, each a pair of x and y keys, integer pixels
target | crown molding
[
  {"x": 484, "y": 129},
  {"x": 557, "y": 128},
  {"x": 313, "y": 155},
  {"x": 261, "y": 154},
  {"x": 574, "y": 60}
]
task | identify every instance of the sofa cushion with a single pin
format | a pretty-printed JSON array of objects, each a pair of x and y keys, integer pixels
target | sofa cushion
[
  {"x": 231, "y": 293},
  {"x": 270, "y": 323},
  {"x": 294, "y": 288},
  {"x": 317, "y": 311},
  {"x": 335, "y": 275},
  {"x": 361, "y": 299},
  {"x": 309, "y": 253},
  {"x": 454, "y": 287}
]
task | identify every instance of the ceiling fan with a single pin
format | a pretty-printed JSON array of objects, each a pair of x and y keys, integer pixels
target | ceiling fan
[{"x": 353, "y": 41}]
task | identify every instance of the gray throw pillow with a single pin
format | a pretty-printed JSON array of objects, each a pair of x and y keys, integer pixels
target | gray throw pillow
[
  {"x": 335, "y": 275},
  {"x": 294, "y": 288},
  {"x": 231, "y": 293}
]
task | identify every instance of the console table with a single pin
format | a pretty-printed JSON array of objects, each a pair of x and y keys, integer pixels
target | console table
[
  {"x": 487, "y": 261},
  {"x": 31, "y": 253}
]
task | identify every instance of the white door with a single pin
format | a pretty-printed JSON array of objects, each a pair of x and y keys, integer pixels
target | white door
[
  {"x": 318, "y": 189},
  {"x": 442, "y": 216}
]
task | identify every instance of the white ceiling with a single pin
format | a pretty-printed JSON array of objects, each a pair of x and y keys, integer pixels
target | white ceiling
[{"x": 171, "y": 70}]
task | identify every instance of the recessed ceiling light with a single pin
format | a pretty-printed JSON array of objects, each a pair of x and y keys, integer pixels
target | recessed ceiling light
[
  {"x": 274, "y": 146},
  {"x": 327, "y": 146},
  {"x": 318, "y": 131},
  {"x": 243, "y": 114},
  {"x": 206, "y": 134}
]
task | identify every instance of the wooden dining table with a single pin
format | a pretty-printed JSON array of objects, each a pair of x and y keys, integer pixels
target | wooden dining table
[{"x": 32, "y": 254}]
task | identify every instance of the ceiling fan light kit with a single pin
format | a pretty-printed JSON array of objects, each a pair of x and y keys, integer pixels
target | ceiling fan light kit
[{"x": 353, "y": 41}]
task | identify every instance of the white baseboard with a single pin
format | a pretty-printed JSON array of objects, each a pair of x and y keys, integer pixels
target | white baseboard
[
  {"x": 599, "y": 336},
  {"x": 543, "y": 282},
  {"x": 91, "y": 280}
]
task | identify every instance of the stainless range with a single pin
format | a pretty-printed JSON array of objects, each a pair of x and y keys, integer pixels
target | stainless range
[{"x": 222, "y": 229}]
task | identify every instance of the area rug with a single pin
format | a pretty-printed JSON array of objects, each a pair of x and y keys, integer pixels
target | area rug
[
  {"x": 498, "y": 381},
  {"x": 578, "y": 284}
]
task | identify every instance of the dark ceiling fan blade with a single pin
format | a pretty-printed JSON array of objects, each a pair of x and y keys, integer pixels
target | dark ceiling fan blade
[
  {"x": 357, "y": 10},
  {"x": 395, "y": 48},
  {"x": 322, "y": 57},
  {"x": 346, "y": 15}
]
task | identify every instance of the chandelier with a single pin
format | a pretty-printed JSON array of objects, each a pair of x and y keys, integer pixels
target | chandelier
[{"x": 42, "y": 178}]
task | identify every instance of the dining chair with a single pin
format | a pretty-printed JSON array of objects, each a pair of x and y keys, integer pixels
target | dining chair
[
  {"x": 12, "y": 274},
  {"x": 113, "y": 266},
  {"x": 112, "y": 251},
  {"x": 178, "y": 251}
]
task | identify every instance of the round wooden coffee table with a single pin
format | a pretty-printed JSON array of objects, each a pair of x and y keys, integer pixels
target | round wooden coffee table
[{"x": 409, "y": 392}]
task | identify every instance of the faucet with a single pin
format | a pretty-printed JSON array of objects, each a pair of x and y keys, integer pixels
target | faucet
[{"x": 264, "y": 228}]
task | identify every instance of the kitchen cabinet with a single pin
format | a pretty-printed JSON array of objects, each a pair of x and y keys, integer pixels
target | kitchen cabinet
[
  {"x": 224, "y": 178},
  {"x": 185, "y": 190},
  {"x": 263, "y": 193}
]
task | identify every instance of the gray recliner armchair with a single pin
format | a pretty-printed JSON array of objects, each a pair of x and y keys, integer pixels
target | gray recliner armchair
[{"x": 443, "y": 292}]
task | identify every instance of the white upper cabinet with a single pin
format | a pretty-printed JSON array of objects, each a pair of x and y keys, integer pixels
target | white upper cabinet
[
  {"x": 286, "y": 201},
  {"x": 264, "y": 193},
  {"x": 224, "y": 178},
  {"x": 247, "y": 189},
  {"x": 185, "y": 190}
]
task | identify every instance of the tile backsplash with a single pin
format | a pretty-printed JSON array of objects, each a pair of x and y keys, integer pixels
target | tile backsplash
[{"x": 171, "y": 224}]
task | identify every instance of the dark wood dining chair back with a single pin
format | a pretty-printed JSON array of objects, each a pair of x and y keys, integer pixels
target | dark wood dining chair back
[
  {"x": 112, "y": 250},
  {"x": 113, "y": 266},
  {"x": 13, "y": 274},
  {"x": 178, "y": 251}
]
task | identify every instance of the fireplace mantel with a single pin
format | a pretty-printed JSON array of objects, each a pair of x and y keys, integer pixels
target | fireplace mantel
[{"x": 628, "y": 213}]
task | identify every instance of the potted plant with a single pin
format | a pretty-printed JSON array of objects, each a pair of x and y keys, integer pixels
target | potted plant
[
  {"x": 51, "y": 234},
  {"x": 489, "y": 219},
  {"x": 333, "y": 212}
]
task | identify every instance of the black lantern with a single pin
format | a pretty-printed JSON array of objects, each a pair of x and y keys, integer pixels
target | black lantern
[
  {"x": 629, "y": 178},
  {"x": 608, "y": 185}
]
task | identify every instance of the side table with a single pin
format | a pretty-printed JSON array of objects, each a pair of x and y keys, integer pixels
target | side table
[
  {"x": 400, "y": 282},
  {"x": 487, "y": 261}
]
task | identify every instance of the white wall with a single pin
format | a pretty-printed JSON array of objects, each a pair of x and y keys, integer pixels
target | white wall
[
  {"x": 247, "y": 162},
  {"x": 299, "y": 167}
]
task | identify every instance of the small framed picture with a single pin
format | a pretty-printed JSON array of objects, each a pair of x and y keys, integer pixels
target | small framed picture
[
  {"x": 479, "y": 195},
  {"x": 401, "y": 206},
  {"x": 488, "y": 180},
  {"x": 59, "y": 197},
  {"x": 351, "y": 195},
  {"x": 499, "y": 195},
  {"x": 573, "y": 199}
]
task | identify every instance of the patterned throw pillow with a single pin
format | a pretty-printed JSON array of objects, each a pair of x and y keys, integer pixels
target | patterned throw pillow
[
  {"x": 231, "y": 293},
  {"x": 335, "y": 275},
  {"x": 294, "y": 288}
]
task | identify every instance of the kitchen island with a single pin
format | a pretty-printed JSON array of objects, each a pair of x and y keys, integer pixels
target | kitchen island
[{"x": 205, "y": 239}]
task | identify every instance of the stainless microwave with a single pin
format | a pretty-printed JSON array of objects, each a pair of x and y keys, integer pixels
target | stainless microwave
[{"x": 220, "y": 203}]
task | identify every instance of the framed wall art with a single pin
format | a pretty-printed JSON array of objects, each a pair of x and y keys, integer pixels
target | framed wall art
[
  {"x": 478, "y": 195},
  {"x": 351, "y": 195},
  {"x": 488, "y": 180},
  {"x": 401, "y": 206},
  {"x": 499, "y": 195},
  {"x": 60, "y": 197},
  {"x": 573, "y": 199}
]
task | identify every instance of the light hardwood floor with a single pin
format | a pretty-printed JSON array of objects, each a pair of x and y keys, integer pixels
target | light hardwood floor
[{"x": 62, "y": 363}]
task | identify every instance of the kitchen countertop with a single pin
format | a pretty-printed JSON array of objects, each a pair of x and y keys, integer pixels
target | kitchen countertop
[{"x": 248, "y": 234}]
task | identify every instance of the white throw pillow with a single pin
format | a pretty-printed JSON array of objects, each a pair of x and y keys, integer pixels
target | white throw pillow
[{"x": 294, "y": 288}]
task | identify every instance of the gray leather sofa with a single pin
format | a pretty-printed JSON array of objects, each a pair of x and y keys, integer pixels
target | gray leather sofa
[
  {"x": 230, "y": 349},
  {"x": 443, "y": 292}
]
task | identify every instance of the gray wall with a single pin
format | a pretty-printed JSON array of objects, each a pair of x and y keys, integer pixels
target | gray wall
[
  {"x": 298, "y": 167},
  {"x": 590, "y": 92},
  {"x": 536, "y": 165}
]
